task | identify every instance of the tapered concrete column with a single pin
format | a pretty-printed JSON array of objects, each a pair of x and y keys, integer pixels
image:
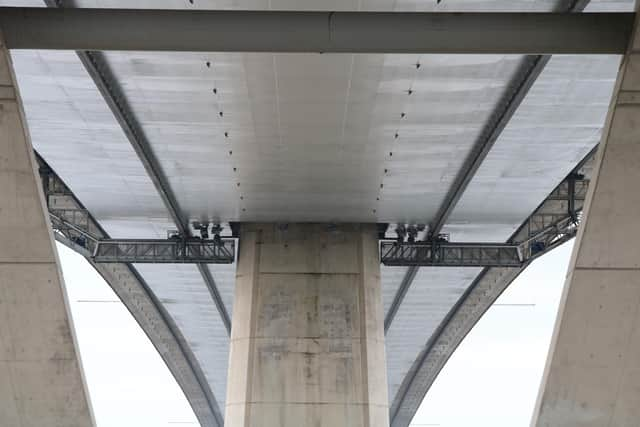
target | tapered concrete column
[
  {"x": 41, "y": 383},
  {"x": 307, "y": 345},
  {"x": 593, "y": 372}
]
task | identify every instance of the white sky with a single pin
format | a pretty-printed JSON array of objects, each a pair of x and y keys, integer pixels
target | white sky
[
  {"x": 129, "y": 383},
  {"x": 491, "y": 380}
]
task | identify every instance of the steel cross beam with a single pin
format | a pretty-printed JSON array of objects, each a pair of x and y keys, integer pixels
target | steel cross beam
[
  {"x": 557, "y": 208},
  {"x": 141, "y": 302},
  {"x": 298, "y": 31}
]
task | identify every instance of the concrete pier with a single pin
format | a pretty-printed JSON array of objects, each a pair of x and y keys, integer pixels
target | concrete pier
[
  {"x": 41, "y": 381},
  {"x": 307, "y": 345},
  {"x": 592, "y": 376}
]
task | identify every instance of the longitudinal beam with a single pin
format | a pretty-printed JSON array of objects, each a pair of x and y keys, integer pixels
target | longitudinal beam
[{"x": 293, "y": 31}]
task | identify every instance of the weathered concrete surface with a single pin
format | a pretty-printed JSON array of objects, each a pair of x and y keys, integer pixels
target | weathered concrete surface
[
  {"x": 592, "y": 376},
  {"x": 41, "y": 381},
  {"x": 307, "y": 345}
]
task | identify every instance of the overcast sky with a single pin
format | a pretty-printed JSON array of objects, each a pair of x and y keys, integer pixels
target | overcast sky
[{"x": 491, "y": 380}]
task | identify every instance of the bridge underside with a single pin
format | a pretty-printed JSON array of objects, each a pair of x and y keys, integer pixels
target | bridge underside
[{"x": 152, "y": 142}]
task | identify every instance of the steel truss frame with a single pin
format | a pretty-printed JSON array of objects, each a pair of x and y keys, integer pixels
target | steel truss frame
[
  {"x": 556, "y": 220},
  {"x": 165, "y": 251},
  {"x": 76, "y": 225},
  {"x": 447, "y": 254}
]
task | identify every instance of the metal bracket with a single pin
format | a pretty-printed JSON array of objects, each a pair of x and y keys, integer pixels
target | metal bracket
[
  {"x": 556, "y": 220},
  {"x": 449, "y": 254},
  {"x": 77, "y": 227}
]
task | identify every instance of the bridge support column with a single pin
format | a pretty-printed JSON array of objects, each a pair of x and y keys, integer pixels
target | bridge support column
[
  {"x": 41, "y": 383},
  {"x": 307, "y": 343},
  {"x": 592, "y": 376}
]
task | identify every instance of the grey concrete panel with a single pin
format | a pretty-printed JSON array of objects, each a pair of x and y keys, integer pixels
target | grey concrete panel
[
  {"x": 73, "y": 129},
  {"x": 225, "y": 277},
  {"x": 558, "y": 123},
  {"x": 391, "y": 278},
  {"x": 308, "y": 152}
]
